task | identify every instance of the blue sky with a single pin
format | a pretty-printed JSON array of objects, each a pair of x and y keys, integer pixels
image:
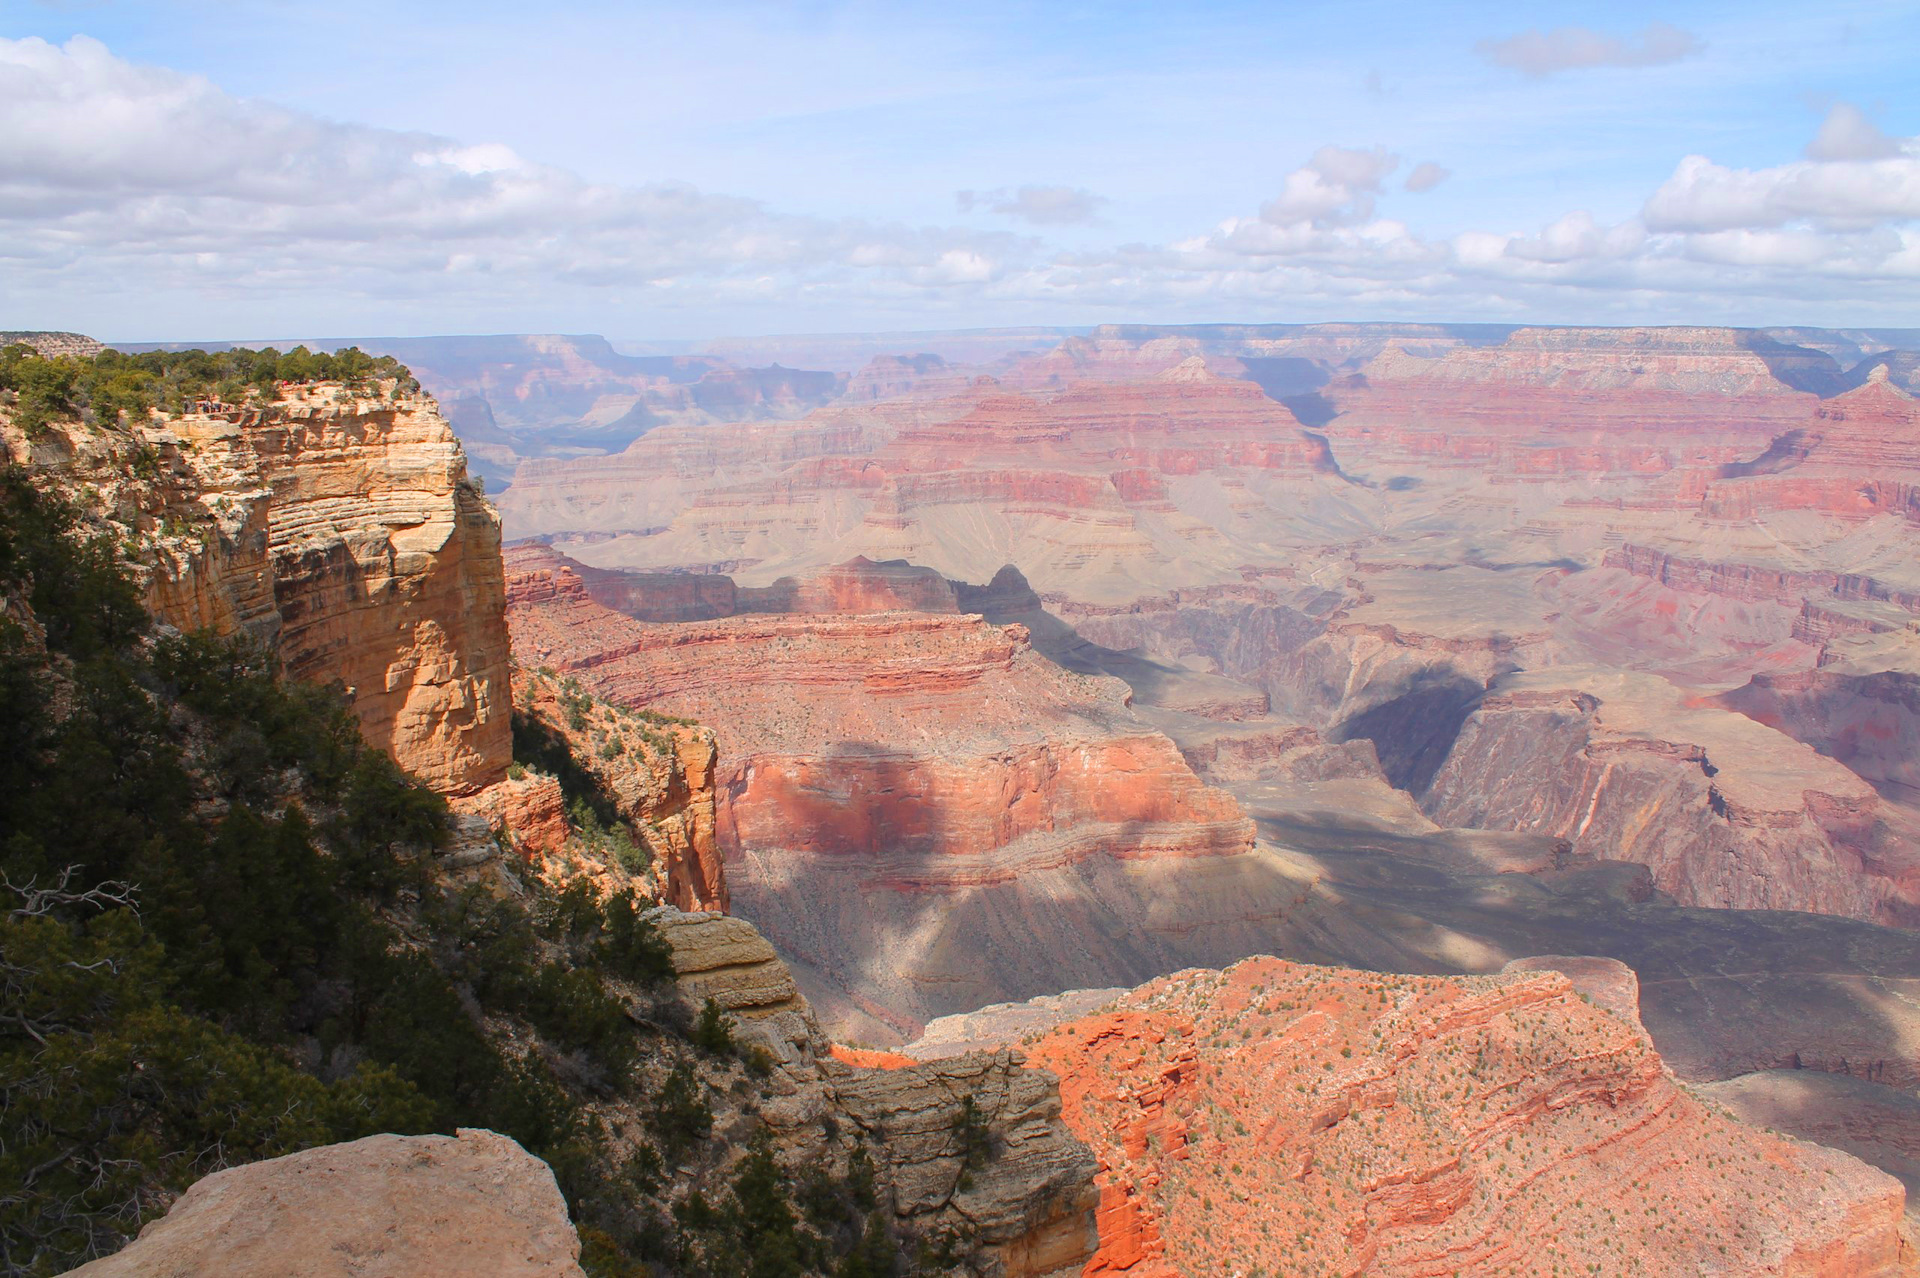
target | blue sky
[{"x": 667, "y": 170}]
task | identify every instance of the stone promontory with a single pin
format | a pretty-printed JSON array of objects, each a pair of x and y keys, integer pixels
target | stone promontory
[{"x": 380, "y": 1207}]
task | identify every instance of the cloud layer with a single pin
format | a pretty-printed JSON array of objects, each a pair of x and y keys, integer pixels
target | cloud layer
[
  {"x": 1037, "y": 205},
  {"x": 1543, "y": 53},
  {"x": 130, "y": 187}
]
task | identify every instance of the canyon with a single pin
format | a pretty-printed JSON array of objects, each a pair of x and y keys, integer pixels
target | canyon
[
  {"x": 1507, "y": 641},
  {"x": 1422, "y": 791}
]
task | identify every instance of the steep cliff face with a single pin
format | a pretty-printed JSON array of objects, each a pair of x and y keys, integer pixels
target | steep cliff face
[
  {"x": 336, "y": 525},
  {"x": 1723, "y": 810},
  {"x": 894, "y": 786},
  {"x": 1868, "y": 721},
  {"x": 936, "y": 748},
  {"x": 1304, "y": 1119}
]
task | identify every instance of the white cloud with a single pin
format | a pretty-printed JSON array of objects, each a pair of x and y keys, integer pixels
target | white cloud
[
  {"x": 1336, "y": 187},
  {"x": 1704, "y": 196},
  {"x": 1039, "y": 205},
  {"x": 1847, "y": 134},
  {"x": 113, "y": 171},
  {"x": 1543, "y": 53},
  {"x": 1425, "y": 176}
]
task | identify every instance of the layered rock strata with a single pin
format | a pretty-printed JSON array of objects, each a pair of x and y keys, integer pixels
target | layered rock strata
[
  {"x": 1617, "y": 765},
  {"x": 938, "y": 748},
  {"x": 1298, "y": 1119},
  {"x": 337, "y": 525},
  {"x": 659, "y": 773},
  {"x": 873, "y": 763},
  {"x": 1022, "y": 1197}
]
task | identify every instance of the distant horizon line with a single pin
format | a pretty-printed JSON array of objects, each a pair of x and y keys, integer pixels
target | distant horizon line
[{"x": 1003, "y": 331}]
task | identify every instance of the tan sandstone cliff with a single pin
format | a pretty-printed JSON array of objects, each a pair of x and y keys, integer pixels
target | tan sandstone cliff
[{"x": 338, "y": 525}]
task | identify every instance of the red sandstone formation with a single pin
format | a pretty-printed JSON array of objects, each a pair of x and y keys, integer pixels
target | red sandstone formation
[
  {"x": 1086, "y": 483},
  {"x": 1281, "y": 1118},
  {"x": 1317, "y": 614},
  {"x": 937, "y": 748},
  {"x": 338, "y": 526},
  {"x": 885, "y": 775}
]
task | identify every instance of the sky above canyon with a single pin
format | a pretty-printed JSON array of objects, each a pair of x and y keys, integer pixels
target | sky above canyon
[{"x": 255, "y": 168}]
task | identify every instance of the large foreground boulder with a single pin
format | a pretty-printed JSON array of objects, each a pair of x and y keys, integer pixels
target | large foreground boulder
[{"x": 380, "y": 1207}]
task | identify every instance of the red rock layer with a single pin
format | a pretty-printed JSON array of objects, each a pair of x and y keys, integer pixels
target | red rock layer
[
  {"x": 1752, "y": 581},
  {"x": 1704, "y": 800},
  {"x": 1282, "y": 1118},
  {"x": 939, "y": 748},
  {"x": 1100, "y": 447}
]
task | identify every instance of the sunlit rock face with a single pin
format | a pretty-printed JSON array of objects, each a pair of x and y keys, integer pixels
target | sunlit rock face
[
  {"x": 1292, "y": 1118},
  {"x": 379, "y": 1207},
  {"x": 337, "y": 525}
]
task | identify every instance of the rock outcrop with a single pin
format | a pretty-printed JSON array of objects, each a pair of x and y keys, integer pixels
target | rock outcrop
[
  {"x": 658, "y": 771},
  {"x": 380, "y": 1207},
  {"x": 51, "y": 345},
  {"x": 1288, "y": 1118},
  {"x": 336, "y": 525},
  {"x": 1622, "y": 769},
  {"x": 971, "y": 1145}
]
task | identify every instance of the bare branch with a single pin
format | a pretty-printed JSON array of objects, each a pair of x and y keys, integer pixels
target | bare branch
[{"x": 37, "y": 901}]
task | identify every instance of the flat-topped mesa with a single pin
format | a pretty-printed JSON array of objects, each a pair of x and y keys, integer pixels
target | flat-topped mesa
[
  {"x": 336, "y": 523},
  {"x": 1285, "y": 1118},
  {"x": 1583, "y": 401},
  {"x": 1182, "y": 421},
  {"x": 1696, "y": 361}
]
